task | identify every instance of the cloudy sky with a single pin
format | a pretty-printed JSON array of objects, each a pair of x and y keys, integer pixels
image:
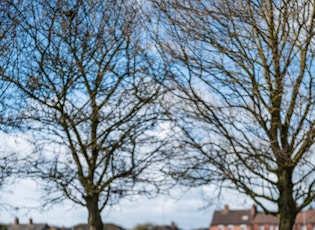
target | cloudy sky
[{"x": 185, "y": 209}]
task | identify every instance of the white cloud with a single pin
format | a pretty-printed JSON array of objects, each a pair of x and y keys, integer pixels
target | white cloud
[
  {"x": 163, "y": 210},
  {"x": 183, "y": 208},
  {"x": 160, "y": 211}
]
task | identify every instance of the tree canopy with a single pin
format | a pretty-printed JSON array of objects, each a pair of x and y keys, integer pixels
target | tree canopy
[
  {"x": 92, "y": 82},
  {"x": 244, "y": 73},
  {"x": 91, "y": 100}
]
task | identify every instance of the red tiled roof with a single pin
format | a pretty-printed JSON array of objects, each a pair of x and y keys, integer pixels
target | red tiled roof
[
  {"x": 235, "y": 217},
  {"x": 238, "y": 217},
  {"x": 262, "y": 218}
]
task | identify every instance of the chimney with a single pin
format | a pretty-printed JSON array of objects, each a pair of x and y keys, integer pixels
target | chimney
[
  {"x": 254, "y": 210},
  {"x": 173, "y": 226},
  {"x": 16, "y": 221},
  {"x": 226, "y": 209},
  {"x": 30, "y": 221}
]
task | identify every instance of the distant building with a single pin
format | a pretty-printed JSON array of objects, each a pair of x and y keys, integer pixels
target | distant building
[
  {"x": 305, "y": 220},
  {"x": 173, "y": 226},
  {"x": 30, "y": 226},
  {"x": 265, "y": 222},
  {"x": 106, "y": 227},
  {"x": 227, "y": 219},
  {"x": 250, "y": 219}
]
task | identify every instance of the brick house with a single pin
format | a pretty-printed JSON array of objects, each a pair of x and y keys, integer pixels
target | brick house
[
  {"x": 265, "y": 222},
  {"x": 250, "y": 219},
  {"x": 227, "y": 219},
  {"x": 305, "y": 220}
]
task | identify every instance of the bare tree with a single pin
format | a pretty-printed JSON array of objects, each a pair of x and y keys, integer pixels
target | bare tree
[
  {"x": 6, "y": 42},
  {"x": 244, "y": 73},
  {"x": 8, "y": 159},
  {"x": 89, "y": 84}
]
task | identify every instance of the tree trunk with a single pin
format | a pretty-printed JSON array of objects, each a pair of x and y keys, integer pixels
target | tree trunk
[
  {"x": 287, "y": 222},
  {"x": 286, "y": 203},
  {"x": 95, "y": 220}
]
